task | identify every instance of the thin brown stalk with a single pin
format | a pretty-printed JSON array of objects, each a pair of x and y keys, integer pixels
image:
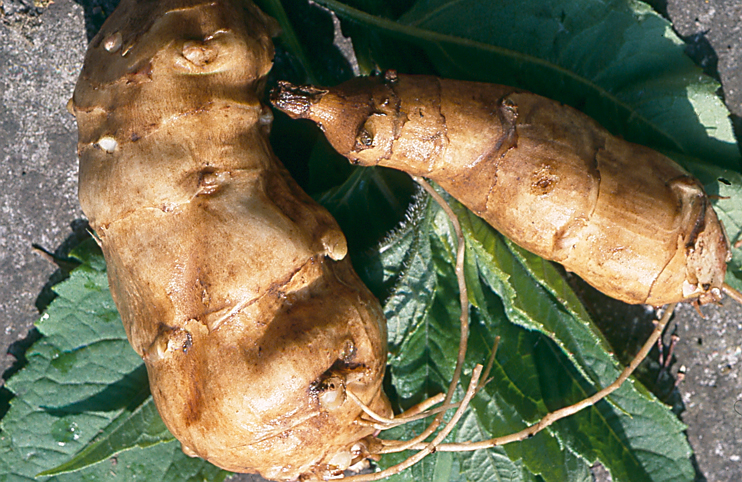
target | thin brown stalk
[
  {"x": 572, "y": 409},
  {"x": 397, "y": 446},
  {"x": 429, "y": 447},
  {"x": 732, "y": 293}
]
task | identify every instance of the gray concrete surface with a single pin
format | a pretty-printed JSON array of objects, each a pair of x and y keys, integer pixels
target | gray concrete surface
[
  {"x": 40, "y": 57},
  {"x": 41, "y": 51},
  {"x": 710, "y": 352},
  {"x": 714, "y": 29}
]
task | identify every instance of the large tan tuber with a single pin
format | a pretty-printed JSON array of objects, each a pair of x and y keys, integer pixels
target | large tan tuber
[
  {"x": 625, "y": 218},
  {"x": 233, "y": 285}
]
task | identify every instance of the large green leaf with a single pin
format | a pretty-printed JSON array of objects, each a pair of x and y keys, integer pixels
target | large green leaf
[
  {"x": 550, "y": 357},
  {"x": 85, "y": 387},
  {"x": 137, "y": 427},
  {"x": 618, "y": 61}
]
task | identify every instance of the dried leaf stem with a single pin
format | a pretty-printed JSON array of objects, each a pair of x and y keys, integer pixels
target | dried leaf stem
[{"x": 572, "y": 409}]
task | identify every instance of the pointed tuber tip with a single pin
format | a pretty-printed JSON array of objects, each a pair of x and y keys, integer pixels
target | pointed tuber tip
[{"x": 296, "y": 100}]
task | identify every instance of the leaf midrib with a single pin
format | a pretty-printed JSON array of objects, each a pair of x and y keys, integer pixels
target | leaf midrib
[{"x": 436, "y": 38}]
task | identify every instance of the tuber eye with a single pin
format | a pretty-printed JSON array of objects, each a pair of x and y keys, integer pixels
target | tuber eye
[
  {"x": 112, "y": 43},
  {"x": 365, "y": 139},
  {"x": 210, "y": 181},
  {"x": 266, "y": 117},
  {"x": 348, "y": 352},
  {"x": 199, "y": 53},
  {"x": 107, "y": 143},
  {"x": 332, "y": 393},
  {"x": 341, "y": 460}
]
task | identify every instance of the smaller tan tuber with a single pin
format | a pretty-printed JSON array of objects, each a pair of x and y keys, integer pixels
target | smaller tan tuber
[{"x": 626, "y": 219}]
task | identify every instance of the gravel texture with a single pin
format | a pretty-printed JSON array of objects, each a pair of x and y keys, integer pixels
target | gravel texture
[{"x": 41, "y": 52}]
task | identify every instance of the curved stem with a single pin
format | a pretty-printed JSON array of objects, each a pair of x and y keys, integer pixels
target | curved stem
[
  {"x": 572, "y": 409},
  {"x": 732, "y": 293},
  {"x": 432, "y": 446},
  {"x": 398, "y": 446}
]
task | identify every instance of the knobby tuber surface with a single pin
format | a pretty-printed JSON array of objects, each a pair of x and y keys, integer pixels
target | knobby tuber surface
[
  {"x": 625, "y": 218},
  {"x": 233, "y": 285}
]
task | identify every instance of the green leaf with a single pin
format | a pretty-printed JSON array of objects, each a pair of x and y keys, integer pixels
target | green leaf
[
  {"x": 405, "y": 275},
  {"x": 368, "y": 204},
  {"x": 423, "y": 364},
  {"x": 84, "y": 391},
  {"x": 494, "y": 464},
  {"x": 550, "y": 357},
  {"x": 305, "y": 46},
  {"x": 288, "y": 35},
  {"x": 618, "y": 61},
  {"x": 140, "y": 427}
]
